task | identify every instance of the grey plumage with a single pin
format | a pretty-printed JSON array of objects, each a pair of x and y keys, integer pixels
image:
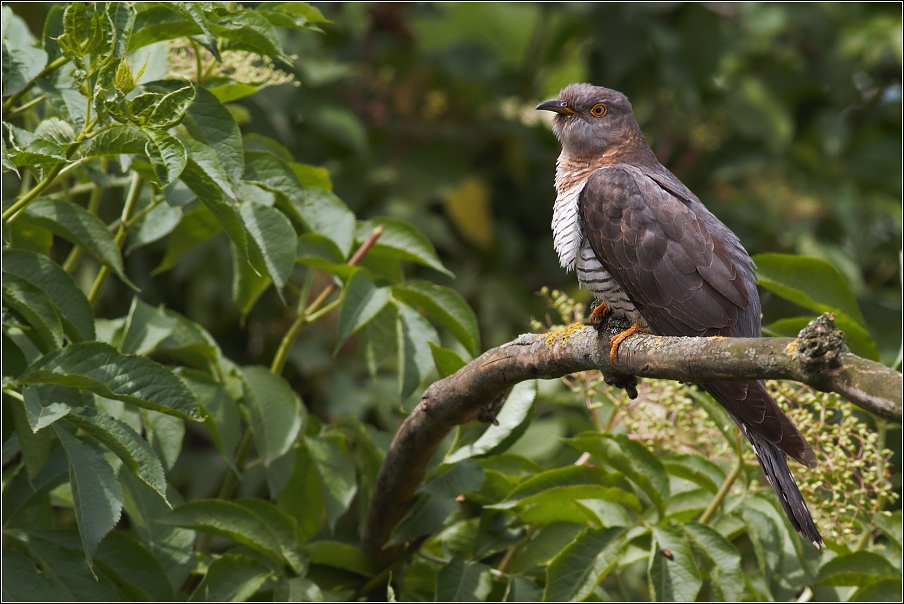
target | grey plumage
[{"x": 662, "y": 259}]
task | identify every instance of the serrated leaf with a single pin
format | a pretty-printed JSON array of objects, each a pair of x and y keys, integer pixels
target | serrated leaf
[
  {"x": 96, "y": 493},
  {"x": 340, "y": 555},
  {"x": 630, "y": 458},
  {"x": 168, "y": 112},
  {"x": 73, "y": 223},
  {"x": 446, "y": 306},
  {"x": 160, "y": 23},
  {"x": 720, "y": 561},
  {"x": 46, "y": 404},
  {"x": 461, "y": 581},
  {"x": 858, "y": 568},
  {"x": 274, "y": 237},
  {"x": 413, "y": 332},
  {"x": 165, "y": 434},
  {"x": 400, "y": 240},
  {"x": 672, "y": 571},
  {"x": 277, "y": 413},
  {"x": 35, "y": 447},
  {"x": 249, "y": 30},
  {"x": 66, "y": 567},
  {"x": 195, "y": 12},
  {"x": 101, "y": 369},
  {"x": 283, "y": 527},
  {"x": 24, "y": 489},
  {"x": 230, "y": 578},
  {"x": 337, "y": 475},
  {"x": 118, "y": 140},
  {"x": 70, "y": 303},
  {"x": 447, "y": 361},
  {"x": 227, "y": 519},
  {"x": 361, "y": 302},
  {"x": 167, "y": 155},
  {"x": 132, "y": 565},
  {"x": 133, "y": 450},
  {"x": 36, "y": 308},
  {"x": 221, "y": 417},
  {"x": 557, "y": 477},
  {"x": 579, "y": 568},
  {"x": 144, "y": 328},
  {"x": 513, "y": 421}
]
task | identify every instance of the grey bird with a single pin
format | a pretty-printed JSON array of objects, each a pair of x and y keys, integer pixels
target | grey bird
[{"x": 652, "y": 253}]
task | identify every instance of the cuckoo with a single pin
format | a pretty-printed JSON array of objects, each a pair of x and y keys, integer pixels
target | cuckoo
[{"x": 651, "y": 253}]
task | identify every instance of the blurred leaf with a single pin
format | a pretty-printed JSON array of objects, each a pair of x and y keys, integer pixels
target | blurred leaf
[
  {"x": 145, "y": 328},
  {"x": 160, "y": 22},
  {"x": 340, "y": 555},
  {"x": 303, "y": 496},
  {"x": 461, "y": 581},
  {"x": 513, "y": 419},
  {"x": 297, "y": 589},
  {"x": 413, "y": 333},
  {"x": 672, "y": 570},
  {"x": 446, "y": 306},
  {"x": 400, "y": 240},
  {"x": 889, "y": 524},
  {"x": 447, "y": 361},
  {"x": 283, "y": 527},
  {"x": 227, "y": 519},
  {"x": 579, "y": 568},
  {"x": 66, "y": 567},
  {"x": 128, "y": 445},
  {"x": 720, "y": 562},
  {"x": 101, "y": 369},
  {"x": 133, "y": 565},
  {"x": 522, "y": 589},
  {"x": 468, "y": 206},
  {"x": 632, "y": 459},
  {"x": 361, "y": 302},
  {"x": 426, "y": 516},
  {"x": 859, "y": 568},
  {"x": 222, "y": 416},
  {"x": 95, "y": 492},
  {"x": 75, "y": 224},
  {"x": 22, "y": 59},
  {"x": 36, "y": 308},
  {"x": 337, "y": 475},
  {"x": 274, "y": 237},
  {"x": 277, "y": 414},
  {"x": 230, "y": 578},
  {"x": 695, "y": 468},
  {"x": 14, "y": 362},
  {"x": 23, "y": 582},
  {"x": 886, "y": 590},
  {"x": 197, "y": 225},
  {"x": 557, "y": 477}
]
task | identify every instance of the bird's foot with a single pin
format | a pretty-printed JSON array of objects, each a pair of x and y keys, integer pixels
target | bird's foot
[
  {"x": 599, "y": 315},
  {"x": 620, "y": 337}
]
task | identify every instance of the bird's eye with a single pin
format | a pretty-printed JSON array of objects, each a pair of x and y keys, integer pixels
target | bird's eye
[{"x": 598, "y": 110}]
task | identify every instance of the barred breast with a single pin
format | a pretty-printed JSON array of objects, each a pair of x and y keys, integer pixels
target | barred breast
[{"x": 574, "y": 249}]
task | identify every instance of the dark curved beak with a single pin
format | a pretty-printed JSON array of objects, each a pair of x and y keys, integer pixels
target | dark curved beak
[{"x": 555, "y": 105}]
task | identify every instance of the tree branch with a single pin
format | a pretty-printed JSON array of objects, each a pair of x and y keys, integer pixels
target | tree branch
[{"x": 817, "y": 357}]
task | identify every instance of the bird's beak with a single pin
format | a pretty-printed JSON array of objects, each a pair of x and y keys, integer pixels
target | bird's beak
[{"x": 557, "y": 106}]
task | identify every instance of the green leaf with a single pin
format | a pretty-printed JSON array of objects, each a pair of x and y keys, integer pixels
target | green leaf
[
  {"x": 156, "y": 224},
  {"x": 169, "y": 111},
  {"x": 303, "y": 497},
  {"x": 22, "y": 60},
  {"x": 274, "y": 237},
  {"x": 73, "y": 223},
  {"x": 249, "y": 30},
  {"x": 630, "y": 458},
  {"x": 133, "y": 450},
  {"x": 283, "y": 527},
  {"x": 36, "y": 308},
  {"x": 221, "y": 415},
  {"x": 695, "y": 468},
  {"x": 361, "y": 302},
  {"x": 446, "y": 306},
  {"x": 95, "y": 492},
  {"x": 46, "y": 404},
  {"x": 557, "y": 477},
  {"x": 14, "y": 362},
  {"x": 145, "y": 328},
  {"x": 859, "y": 568},
  {"x": 249, "y": 278},
  {"x": 160, "y": 23},
  {"x": 413, "y": 333},
  {"x": 672, "y": 571},
  {"x": 428, "y": 515},
  {"x": 565, "y": 494},
  {"x": 133, "y": 566},
  {"x": 461, "y": 581},
  {"x": 297, "y": 589},
  {"x": 233, "y": 91},
  {"x": 277, "y": 414},
  {"x": 318, "y": 210},
  {"x": 34, "y": 446},
  {"x": 447, "y": 361},
  {"x": 23, "y": 490},
  {"x": 579, "y": 568},
  {"x": 400, "y": 240},
  {"x": 22, "y": 582},
  {"x": 230, "y": 578},
  {"x": 197, "y": 225},
  {"x": 101, "y": 369},
  {"x": 167, "y": 155},
  {"x": 118, "y": 140},
  {"x": 66, "y": 567},
  {"x": 890, "y": 524},
  {"x": 227, "y": 519},
  {"x": 70, "y": 303},
  {"x": 319, "y": 251},
  {"x": 340, "y": 555},
  {"x": 337, "y": 475},
  {"x": 886, "y": 590},
  {"x": 513, "y": 421},
  {"x": 817, "y": 285},
  {"x": 164, "y": 433},
  {"x": 719, "y": 560}
]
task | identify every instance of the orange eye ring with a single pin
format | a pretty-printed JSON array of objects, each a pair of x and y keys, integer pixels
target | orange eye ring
[{"x": 598, "y": 110}]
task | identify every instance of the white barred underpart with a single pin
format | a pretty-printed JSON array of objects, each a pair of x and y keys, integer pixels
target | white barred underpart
[{"x": 575, "y": 252}]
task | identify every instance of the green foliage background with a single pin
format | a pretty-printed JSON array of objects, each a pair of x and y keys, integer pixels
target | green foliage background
[{"x": 206, "y": 204}]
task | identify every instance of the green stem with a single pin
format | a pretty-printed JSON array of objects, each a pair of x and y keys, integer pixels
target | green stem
[
  {"x": 131, "y": 200},
  {"x": 231, "y": 480},
  {"x": 53, "y": 65},
  {"x": 20, "y": 110},
  {"x": 93, "y": 205},
  {"x": 725, "y": 488}
]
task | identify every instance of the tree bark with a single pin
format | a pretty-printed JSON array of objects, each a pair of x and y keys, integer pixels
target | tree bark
[{"x": 817, "y": 357}]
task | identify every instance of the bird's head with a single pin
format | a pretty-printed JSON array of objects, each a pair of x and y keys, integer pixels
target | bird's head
[{"x": 591, "y": 120}]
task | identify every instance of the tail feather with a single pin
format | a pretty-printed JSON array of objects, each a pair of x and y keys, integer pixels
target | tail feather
[{"x": 775, "y": 467}]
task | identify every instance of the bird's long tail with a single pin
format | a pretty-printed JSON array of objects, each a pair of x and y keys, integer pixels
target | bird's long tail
[{"x": 772, "y": 459}]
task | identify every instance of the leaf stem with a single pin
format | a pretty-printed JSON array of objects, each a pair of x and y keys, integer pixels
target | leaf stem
[
  {"x": 53, "y": 65},
  {"x": 20, "y": 110},
  {"x": 93, "y": 205},
  {"x": 726, "y": 486},
  {"x": 310, "y": 313},
  {"x": 131, "y": 200},
  {"x": 231, "y": 480}
]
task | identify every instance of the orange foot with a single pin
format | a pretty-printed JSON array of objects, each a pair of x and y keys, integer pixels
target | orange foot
[
  {"x": 599, "y": 314},
  {"x": 620, "y": 337}
]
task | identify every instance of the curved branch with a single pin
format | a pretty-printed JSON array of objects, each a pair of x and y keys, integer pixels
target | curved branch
[{"x": 816, "y": 358}]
